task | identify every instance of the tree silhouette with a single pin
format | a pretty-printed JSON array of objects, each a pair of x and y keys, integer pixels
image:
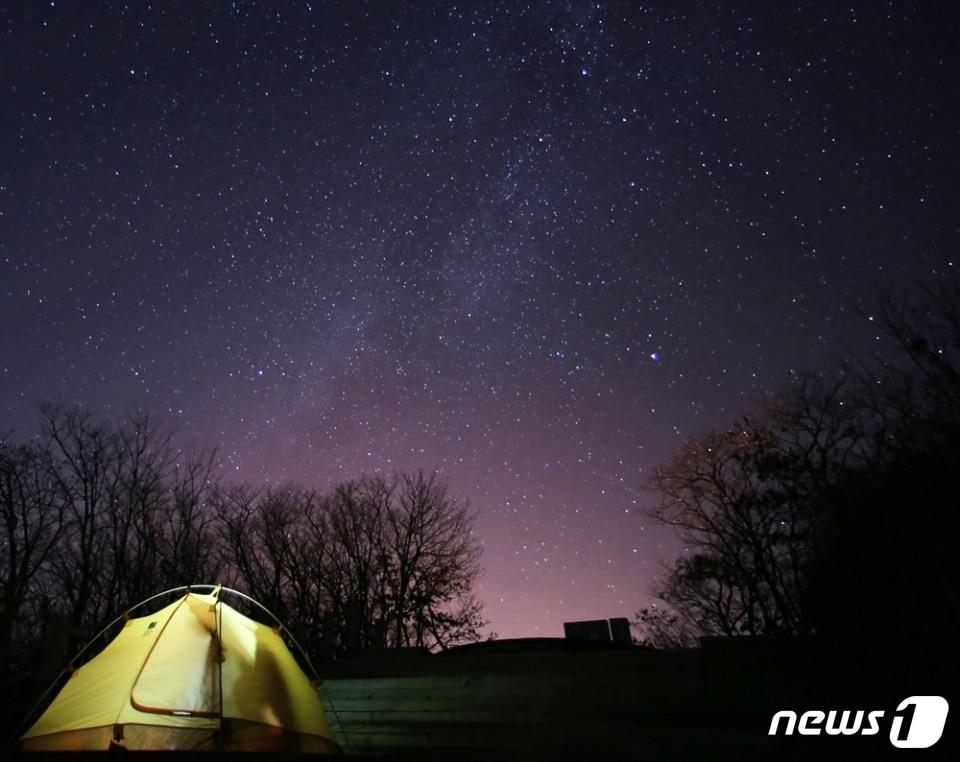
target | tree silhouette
[
  {"x": 829, "y": 508},
  {"x": 373, "y": 564},
  {"x": 32, "y": 523}
]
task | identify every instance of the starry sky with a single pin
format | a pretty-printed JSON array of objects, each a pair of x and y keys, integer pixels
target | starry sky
[{"x": 532, "y": 245}]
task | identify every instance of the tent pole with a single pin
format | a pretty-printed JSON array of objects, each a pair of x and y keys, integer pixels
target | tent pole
[{"x": 218, "y": 619}]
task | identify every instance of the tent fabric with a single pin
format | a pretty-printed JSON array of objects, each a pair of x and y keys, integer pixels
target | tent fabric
[{"x": 196, "y": 674}]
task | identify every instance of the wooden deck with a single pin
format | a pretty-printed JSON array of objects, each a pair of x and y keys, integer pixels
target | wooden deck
[
  {"x": 534, "y": 701},
  {"x": 551, "y": 699}
]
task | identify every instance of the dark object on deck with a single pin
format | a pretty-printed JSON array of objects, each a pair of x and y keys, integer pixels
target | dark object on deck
[
  {"x": 599, "y": 630},
  {"x": 620, "y": 630},
  {"x": 589, "y": 629}
]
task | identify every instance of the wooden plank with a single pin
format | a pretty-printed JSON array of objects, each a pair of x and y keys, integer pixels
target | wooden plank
[
  {"x": 595, "y": 701},
  {"x": 411, "y": 716}
]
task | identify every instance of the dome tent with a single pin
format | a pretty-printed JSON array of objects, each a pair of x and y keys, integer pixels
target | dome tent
[{"x": 197, "y": 674}]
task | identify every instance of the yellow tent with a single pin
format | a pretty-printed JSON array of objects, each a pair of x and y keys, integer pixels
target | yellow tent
[{"x": 197, "y": 674}]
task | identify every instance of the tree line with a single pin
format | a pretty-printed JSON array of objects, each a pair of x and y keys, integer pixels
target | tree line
[
  {"x": 832, "y": 511},
  {"x": 98, "y": 515}
]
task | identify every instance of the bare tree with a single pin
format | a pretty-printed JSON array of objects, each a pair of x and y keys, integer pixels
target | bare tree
[
  {"x": 32, "y": 523},
  {"x": 432, "y": 565},
  {"x": 355, "y": 554},
  {"x": 837, "y": 491},
  {"x": 84, "y": 469},
  {"x": 373, "y": 564},
  {"x": 661, "y": 627},
  {"x": 746, "y": 504},
  {"x": 401, "y": 563},
  {"x": 239, "y": 516},
  {"x": 141, "y": 462},
  {"x": 133, "y": 513},
  {"x": 188, "y": 538},
  {"x": 99, "y": 514}
]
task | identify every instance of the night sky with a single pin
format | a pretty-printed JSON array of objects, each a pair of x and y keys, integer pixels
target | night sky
[{"x": 532, "y": 245}]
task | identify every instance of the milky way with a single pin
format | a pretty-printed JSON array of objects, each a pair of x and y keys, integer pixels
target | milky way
[{"x": 532, "y": 246}]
